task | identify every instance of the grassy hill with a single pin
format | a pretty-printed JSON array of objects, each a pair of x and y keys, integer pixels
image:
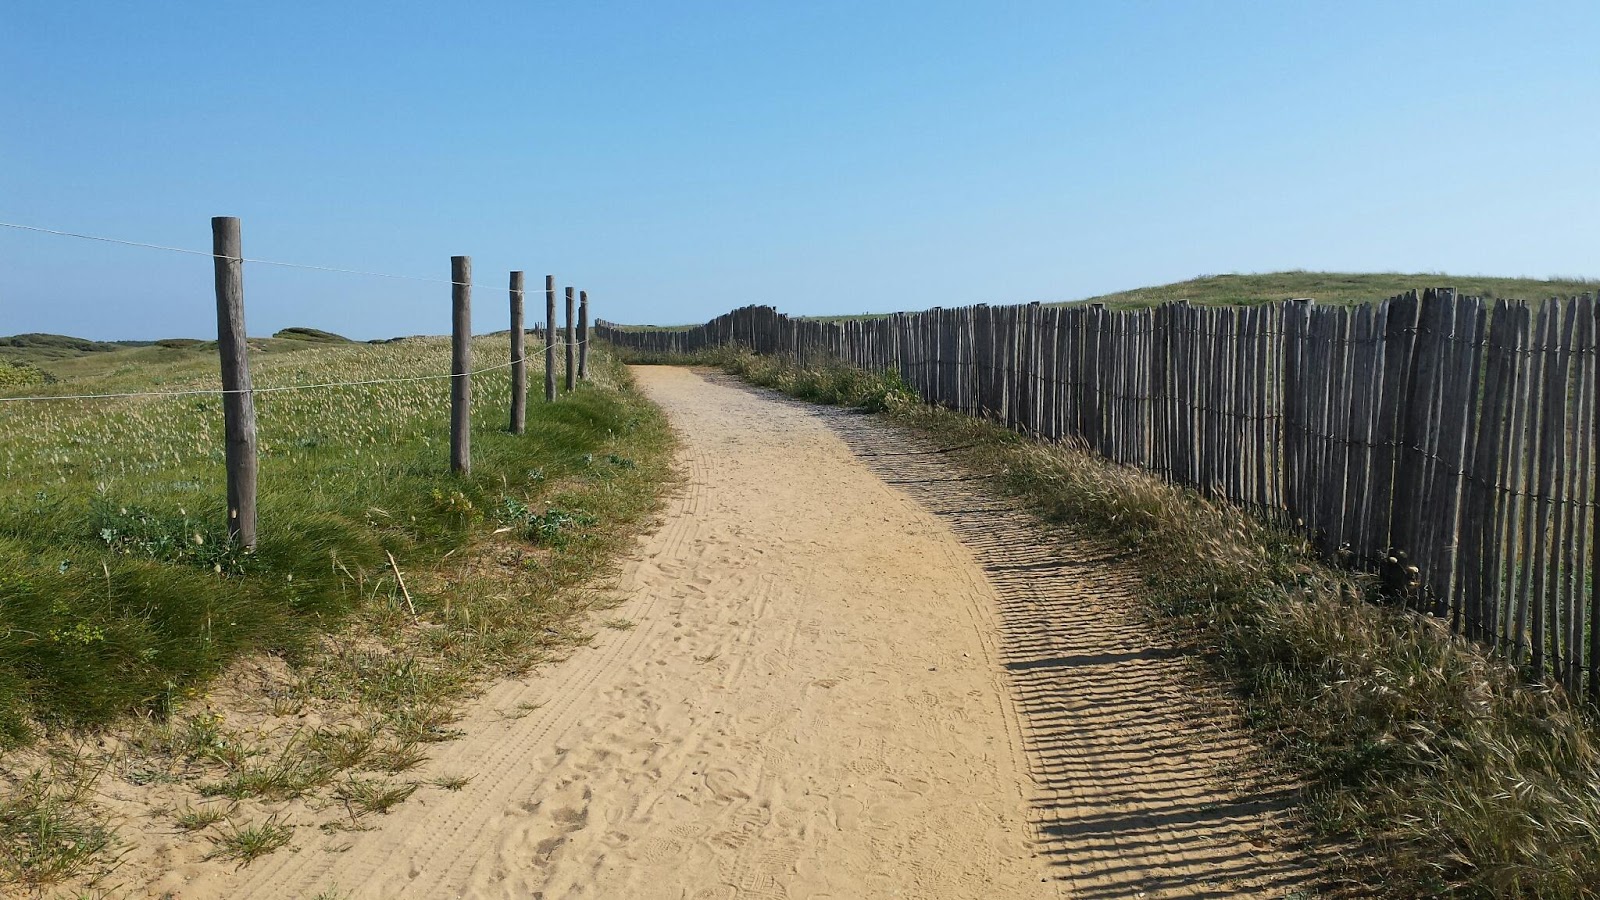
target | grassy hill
[
  {"x": 313, "y": 335},
  {"x": 32, "y": 349},
  {"x": 1324, "y": 287},
  {"x": 1335, "y": 287},
  {"x": 32, "y": 358}
]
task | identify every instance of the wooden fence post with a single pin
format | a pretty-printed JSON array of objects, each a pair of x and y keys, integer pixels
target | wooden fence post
[
  {"x": 461, "y": 364},
  {"x": 238, "y": 404},
  {"x": 572, "y": 340},
  {"x": 519, "y": 359},
  {"x": 583, "y": 335},
  {"x": 549, "y": 338}
]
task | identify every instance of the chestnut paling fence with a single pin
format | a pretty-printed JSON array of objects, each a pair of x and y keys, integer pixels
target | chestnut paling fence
[{"x": 1445, "y": 442}]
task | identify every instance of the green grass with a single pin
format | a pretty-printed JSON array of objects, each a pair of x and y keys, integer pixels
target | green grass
[
  {"x": 121, "y": 598},
  {"x": 1438, "y": 769},
  {"x": 244, "y": 844},
  {"x": 119, "y": 588},
  {"x": 47, "y": 831},
  {"x": 199, "y": 818}
]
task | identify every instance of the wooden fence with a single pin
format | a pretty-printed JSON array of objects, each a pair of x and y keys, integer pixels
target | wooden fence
[{"x": 1443, "y": 442}]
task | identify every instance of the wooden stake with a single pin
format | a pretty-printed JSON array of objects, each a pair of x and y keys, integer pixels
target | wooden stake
[
  {"x": 461, "y": 364},
  {"x": 549, "y": 338},
  {"x": 572, "y": 340},
  {"x": 583, "y": 335},
  {"x": 238, "y": 404},
  {"x": 519, "y": 361}
]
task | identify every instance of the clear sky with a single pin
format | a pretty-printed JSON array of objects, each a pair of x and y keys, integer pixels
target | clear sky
[{"x": 678, "y": 159}]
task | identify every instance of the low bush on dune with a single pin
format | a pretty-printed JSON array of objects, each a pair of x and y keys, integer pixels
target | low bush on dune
[
  {"x": 1438, "y": 768},
  {"x": 16, "y": 375}
]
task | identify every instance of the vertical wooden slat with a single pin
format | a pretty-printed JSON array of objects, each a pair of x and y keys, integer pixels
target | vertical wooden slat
[{"x": 1528, "y": 629}]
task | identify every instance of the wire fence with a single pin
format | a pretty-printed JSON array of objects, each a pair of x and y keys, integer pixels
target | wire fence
[
  {"x": 217, "y": 392},
  {"x": 1446, "y": 443},
  {"x": 193, "y": 252},
  {"x": 238, "y": 390}
]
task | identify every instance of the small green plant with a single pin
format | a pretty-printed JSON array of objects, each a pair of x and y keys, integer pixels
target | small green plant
[
  {"x": 341, "y": 748},
  {"x": 245, "y": 844},
  {"x": 554, "y": 527},
  {"x": 395, "y": 758},
  {"x": 298, "y": 770},
  {"x": 138, "y": 532},
  {"x": 452, "y": 782},
  {"x": 365, "y": 795},
  {"x": 48, "y": 830},
  {"x": 191, "y": 818}
]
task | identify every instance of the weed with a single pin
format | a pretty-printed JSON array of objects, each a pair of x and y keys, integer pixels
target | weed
[
  {"x": 296, "y": 772},
  {"x": 452, "y": 782},
  {"x": 340, "y": 748},
  {"x": 372, "y": 796},
  {"x": 48, "y": 830},
  {"x": 244, "y": 845},
  {"x": 522, "y": 709},
  {"x": 555, "y": 525},
  {"x": 192, "y": 818},
  {"x": 395, "y": 758}
]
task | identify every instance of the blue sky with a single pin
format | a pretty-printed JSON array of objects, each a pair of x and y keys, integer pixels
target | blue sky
[{"x": 679, "y": 159}]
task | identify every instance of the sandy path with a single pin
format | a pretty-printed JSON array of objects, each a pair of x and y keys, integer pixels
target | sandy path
[{"x": 826, "y": 694}]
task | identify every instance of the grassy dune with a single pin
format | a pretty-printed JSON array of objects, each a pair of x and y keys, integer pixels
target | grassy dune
[
  {"x": 119, "y": 589},
  {"x": 122, "y": 600}
]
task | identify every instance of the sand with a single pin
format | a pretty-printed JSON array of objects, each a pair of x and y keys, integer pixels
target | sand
[{"x": 847, "y": 676}]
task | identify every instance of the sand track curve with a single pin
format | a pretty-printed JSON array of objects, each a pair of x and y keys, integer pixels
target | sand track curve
[{"x": 849, "y": 676}]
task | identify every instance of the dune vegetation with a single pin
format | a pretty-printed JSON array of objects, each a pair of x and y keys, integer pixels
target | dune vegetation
[{"x": 383, "y": 589}]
